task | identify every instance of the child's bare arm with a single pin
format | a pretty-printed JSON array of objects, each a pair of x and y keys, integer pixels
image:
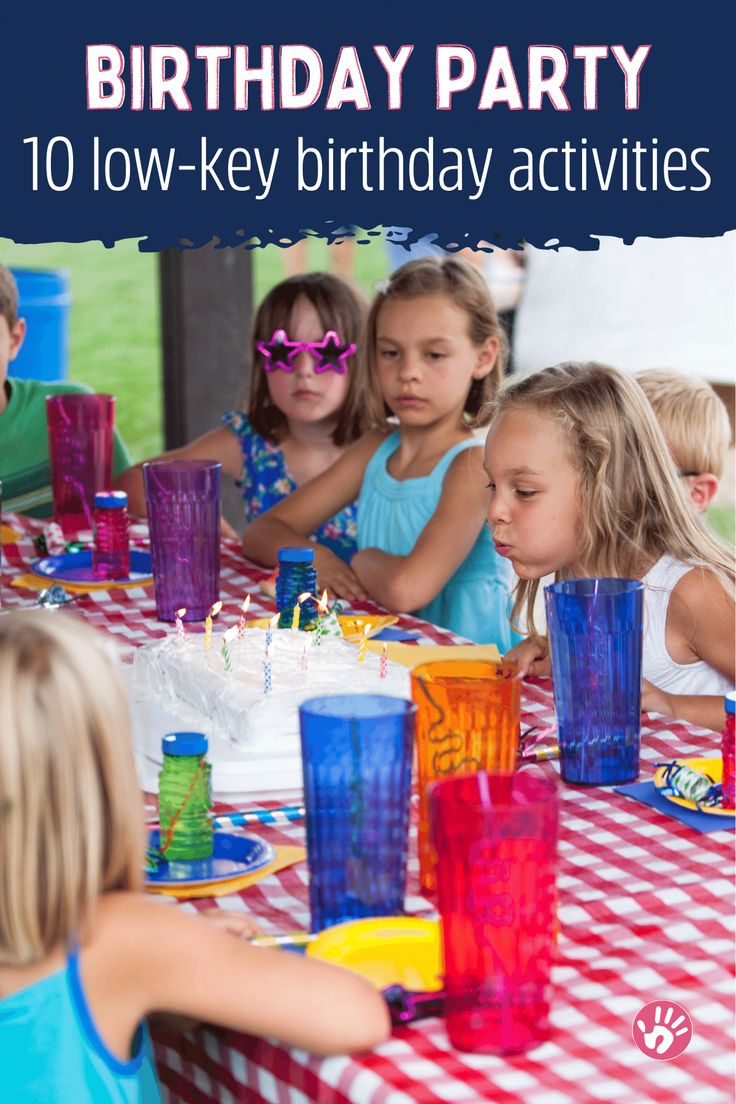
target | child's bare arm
[
  {"x": 700, "y": 626},
  {"x": 291, "y": 521},
  {"x": 193, "y": 968},
  {"x": 219, "y": 444},
  {"x": 705, "y": 710}
]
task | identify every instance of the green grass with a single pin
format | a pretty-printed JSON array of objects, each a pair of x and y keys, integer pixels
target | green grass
[
  {"x": 114, "y": 330},
  {"x": 114, "y": 340},
  {"x": 723, "y": 520}
]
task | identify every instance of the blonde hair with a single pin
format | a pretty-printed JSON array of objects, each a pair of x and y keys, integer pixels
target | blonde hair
[
  {"x": 633, "y": 508},
  {"x": 692, "y": 418},
  {"x": 71, "y": 815},
  {"x": 467, "y": 289}
]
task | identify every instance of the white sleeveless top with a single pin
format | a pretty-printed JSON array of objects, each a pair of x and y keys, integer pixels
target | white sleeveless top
[{"x": 657, "y": 665}]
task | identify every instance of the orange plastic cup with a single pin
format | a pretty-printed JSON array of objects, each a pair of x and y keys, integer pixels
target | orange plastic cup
[{"x": 467, "y": 720}]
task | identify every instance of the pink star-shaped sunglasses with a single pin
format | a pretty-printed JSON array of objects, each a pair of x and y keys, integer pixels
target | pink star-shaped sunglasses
[{"x": 328, "y": 353}]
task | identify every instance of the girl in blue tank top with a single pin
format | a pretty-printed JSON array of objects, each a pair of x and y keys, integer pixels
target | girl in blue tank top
[
  {"x": 84, "y": 957},
  {"x": 435, "y": 354}
]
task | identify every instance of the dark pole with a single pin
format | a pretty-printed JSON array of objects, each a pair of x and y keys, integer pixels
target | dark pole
[{"x": 206, "y": 312}]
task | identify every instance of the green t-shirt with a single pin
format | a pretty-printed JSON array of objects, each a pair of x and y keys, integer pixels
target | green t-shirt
[{"x": 25, "y": 469}]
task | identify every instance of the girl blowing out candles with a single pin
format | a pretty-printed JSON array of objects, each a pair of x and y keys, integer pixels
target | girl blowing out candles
[
  {"x": 84, "y": 956},
  {"x": 434, "y": 356},
  {"x": 582, "y": 484}
]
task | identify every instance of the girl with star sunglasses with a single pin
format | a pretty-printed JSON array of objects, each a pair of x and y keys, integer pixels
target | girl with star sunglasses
[{"x": 305, "y": 404}]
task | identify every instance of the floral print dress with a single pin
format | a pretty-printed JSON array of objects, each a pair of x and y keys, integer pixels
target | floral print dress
[{"x": 266, "y": 480}]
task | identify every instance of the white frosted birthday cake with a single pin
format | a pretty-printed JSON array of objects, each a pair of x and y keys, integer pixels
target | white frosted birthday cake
[{"x": 191, "y": 683}]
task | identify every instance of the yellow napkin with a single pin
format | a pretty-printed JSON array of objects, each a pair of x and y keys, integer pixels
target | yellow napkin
[
  {"x": 411, "y": 655},
  {"x": 285, "y": 856},
  {"x": 8, "y": 535},
  {"x": 40, "y": 582}
]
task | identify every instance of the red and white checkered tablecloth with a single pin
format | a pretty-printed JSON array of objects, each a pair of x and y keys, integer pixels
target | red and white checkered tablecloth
[{"x": 646, "y": 907}]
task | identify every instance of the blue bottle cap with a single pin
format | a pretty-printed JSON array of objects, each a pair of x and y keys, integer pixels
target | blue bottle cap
[
  {"x": 731, "y": 702},
  {"x": 111, "y": 500},
  {"x": 296, "y": 555},
  {"x": 184, "y": 743}
]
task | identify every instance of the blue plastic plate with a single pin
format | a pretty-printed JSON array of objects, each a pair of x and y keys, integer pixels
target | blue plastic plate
[
  {"x": 233, "y": 856},
  {"x": 76, "y": 567}
]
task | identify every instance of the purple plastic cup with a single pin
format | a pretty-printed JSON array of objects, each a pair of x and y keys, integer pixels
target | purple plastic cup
[
  {"x": 183, "y": 500},
  {"x": 80, "y": 451}
]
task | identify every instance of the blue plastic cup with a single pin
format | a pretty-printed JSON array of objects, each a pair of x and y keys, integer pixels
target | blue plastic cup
[
  {"x": 595, "y": 633},
  {"x": 356, "y": 757}
]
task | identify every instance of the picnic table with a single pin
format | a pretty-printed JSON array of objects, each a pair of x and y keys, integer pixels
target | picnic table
[{"x": 646, "y": 910}]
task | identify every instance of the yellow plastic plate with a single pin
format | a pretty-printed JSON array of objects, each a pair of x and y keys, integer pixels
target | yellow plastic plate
[
  {"x": 712, "y": 767},
  {"x": 352, "y": 625},
  {"x": 391, "y": 950}
]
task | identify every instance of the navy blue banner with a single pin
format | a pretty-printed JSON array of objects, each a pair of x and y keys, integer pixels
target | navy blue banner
[{"x": 257, "y": 124}]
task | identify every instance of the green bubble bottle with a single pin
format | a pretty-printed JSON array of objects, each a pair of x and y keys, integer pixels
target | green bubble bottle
[{"x": 184, "y": 798}]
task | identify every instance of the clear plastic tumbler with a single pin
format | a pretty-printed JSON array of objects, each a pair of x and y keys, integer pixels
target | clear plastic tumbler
[
  {"x": 595, "y": 633},
  {"x": 356, "y": 757}
]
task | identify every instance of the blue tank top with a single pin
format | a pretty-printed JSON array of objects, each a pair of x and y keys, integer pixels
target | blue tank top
[
  {"x": 51, "y": 1053},
  {"x": 474, "y": 602}
]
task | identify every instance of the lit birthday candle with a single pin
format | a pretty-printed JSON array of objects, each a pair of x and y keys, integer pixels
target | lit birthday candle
[
  {"x": 180, "y": 622},
  {"x": 225, "y": 650},
  {"x": 208, "y": 624},
  {"x": 269, "y": 631},
  {"x": 383, "y": 665},
  {"x": 363, "y": 642},
  {"x": 298, "y": 610},
  {"x": 241, "y": 622},
  {"x": 319, "y": 631}
]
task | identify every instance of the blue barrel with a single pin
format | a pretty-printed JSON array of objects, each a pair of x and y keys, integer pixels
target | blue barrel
[{"x": 45, "y": 299}]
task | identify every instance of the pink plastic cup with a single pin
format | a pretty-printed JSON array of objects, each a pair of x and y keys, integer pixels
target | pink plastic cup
[
  {"x": 80, "y": 450},
  {"x": 496, "y": 842}
]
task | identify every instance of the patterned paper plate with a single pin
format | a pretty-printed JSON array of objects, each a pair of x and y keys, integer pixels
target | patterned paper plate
[{"x": 713, "y": 768}]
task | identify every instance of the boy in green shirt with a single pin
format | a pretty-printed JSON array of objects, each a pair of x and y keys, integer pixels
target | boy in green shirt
[{"x": 25, "y": 470}]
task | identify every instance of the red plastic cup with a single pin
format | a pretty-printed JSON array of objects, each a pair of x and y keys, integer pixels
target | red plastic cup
[
  {"x": 496, "y": 842},
  {"x": 80, "y": 430}
]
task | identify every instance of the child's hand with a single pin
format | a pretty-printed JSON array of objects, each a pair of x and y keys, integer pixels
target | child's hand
[
  {"x": 654, "y": 700},
  {"x": 237, "y": 923},
  {"x": 533, "y": 657},
  {"x": 226, "y": 530},
  {"x": 335, "y": 576}
]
